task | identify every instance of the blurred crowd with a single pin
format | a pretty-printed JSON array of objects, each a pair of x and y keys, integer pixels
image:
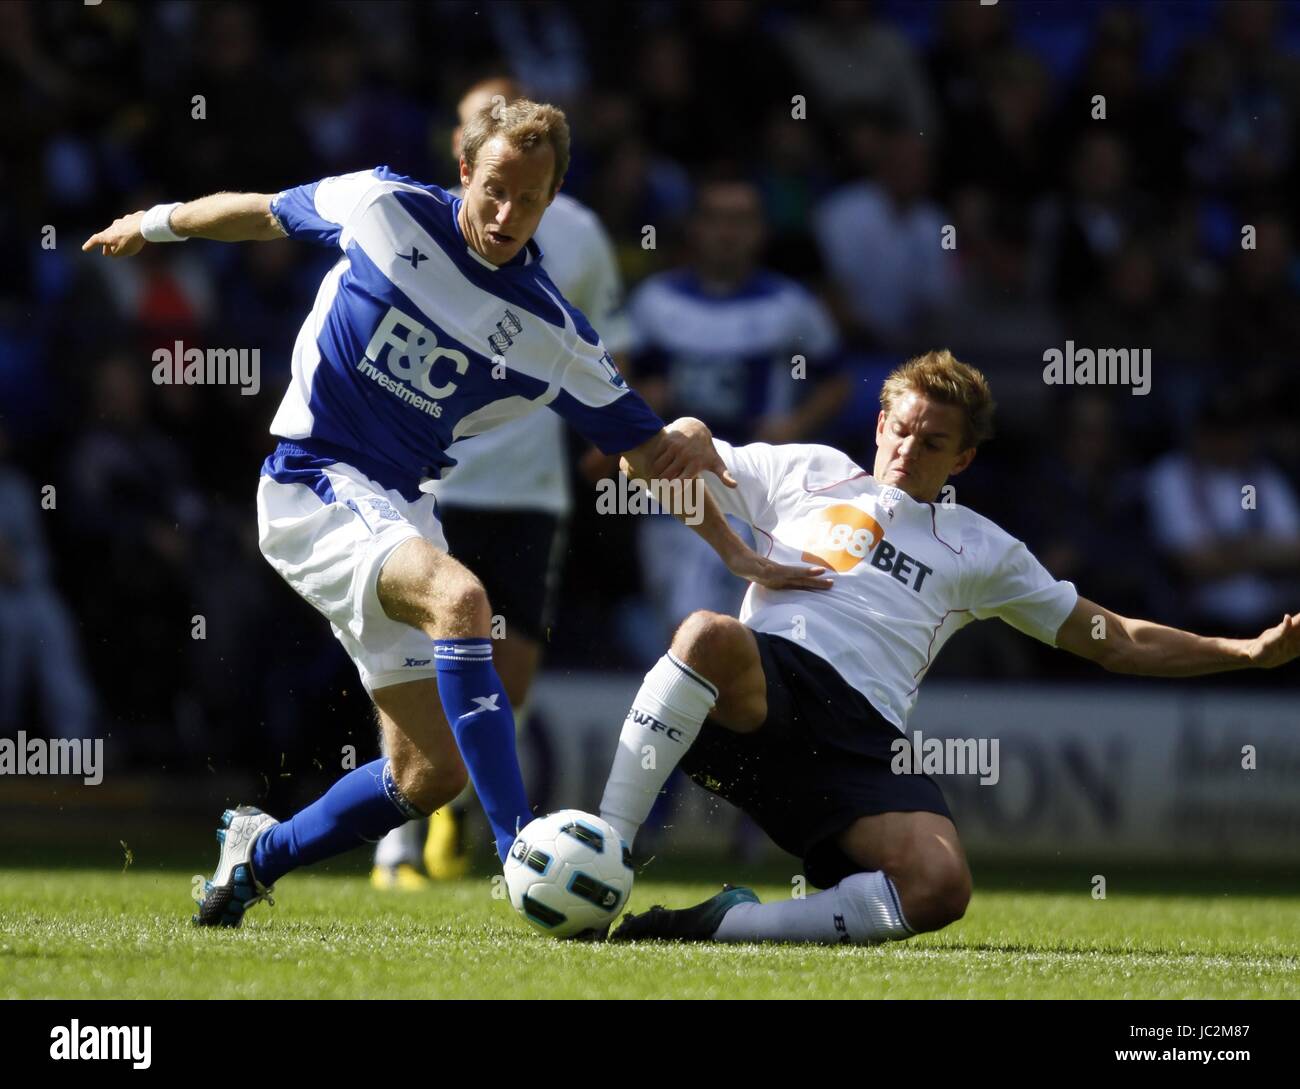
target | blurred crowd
[{"x": 1118, "y": 176}]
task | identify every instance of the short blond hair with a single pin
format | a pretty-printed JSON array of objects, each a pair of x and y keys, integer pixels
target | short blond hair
[
  {"x": 525, "y": 125},
  {"x": 939, "y": 376}
]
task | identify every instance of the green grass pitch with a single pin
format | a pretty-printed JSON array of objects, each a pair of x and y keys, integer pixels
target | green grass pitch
[{"x": 85, "y": 933}]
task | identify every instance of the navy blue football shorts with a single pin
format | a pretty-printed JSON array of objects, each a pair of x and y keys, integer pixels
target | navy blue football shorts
[{"x": 797, "y": 776}]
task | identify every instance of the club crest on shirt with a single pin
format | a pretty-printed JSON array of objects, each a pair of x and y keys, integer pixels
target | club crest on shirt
[
  {"x": 888, "y": 499},
  {"x": 508, "y": 328},
  {"x": 384, "y": 508}
]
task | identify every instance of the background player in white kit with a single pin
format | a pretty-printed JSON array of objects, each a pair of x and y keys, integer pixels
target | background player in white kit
[
  {"x": 438, "y": 321},
  {"x": 805, "y": 693},
  {"x": 505, "y": 508}
]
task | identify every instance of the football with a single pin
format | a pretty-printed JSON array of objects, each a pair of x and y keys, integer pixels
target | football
[{"x": 569, "y": 874}]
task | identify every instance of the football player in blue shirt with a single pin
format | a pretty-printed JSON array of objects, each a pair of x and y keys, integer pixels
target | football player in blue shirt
[{"x": 437, "y": 322}]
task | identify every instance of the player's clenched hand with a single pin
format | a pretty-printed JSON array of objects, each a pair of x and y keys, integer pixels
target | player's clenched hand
[
  {"x": 122, "y": 239},
  {"x": 687, "y": 451},
  {"x": 749, "y": 565},
  {"x": 1277, "y": 646}
]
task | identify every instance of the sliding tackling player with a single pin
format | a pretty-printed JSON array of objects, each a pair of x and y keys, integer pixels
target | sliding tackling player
[{"x": 790, "y": 711}]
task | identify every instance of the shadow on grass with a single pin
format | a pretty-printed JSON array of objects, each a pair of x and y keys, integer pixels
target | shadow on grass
[
  {"x": 188, "y": 843},
  {"x": 1044, "y": 949}
]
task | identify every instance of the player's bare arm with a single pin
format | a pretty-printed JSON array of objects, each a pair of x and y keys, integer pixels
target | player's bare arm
[
  {"x": 684, "y": 449},
  {"x": 1122, "y": 644},
  {"x": 220, "y": 217}
]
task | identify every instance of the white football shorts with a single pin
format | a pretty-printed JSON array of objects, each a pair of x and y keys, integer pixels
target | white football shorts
[{"x": 329, "y": 542}]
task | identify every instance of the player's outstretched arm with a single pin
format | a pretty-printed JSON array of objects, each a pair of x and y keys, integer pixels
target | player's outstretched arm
[
  {"x": 221, "y": 217},
  {"x": 683, "y": 450},
  {"x": 1124, "y": 645}
]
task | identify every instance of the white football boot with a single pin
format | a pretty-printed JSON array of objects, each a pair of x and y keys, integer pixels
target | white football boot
[{"x": 234, "y": 888}]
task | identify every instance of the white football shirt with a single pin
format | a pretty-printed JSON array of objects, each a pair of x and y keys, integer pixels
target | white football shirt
[{"x": 907, "y": 574}]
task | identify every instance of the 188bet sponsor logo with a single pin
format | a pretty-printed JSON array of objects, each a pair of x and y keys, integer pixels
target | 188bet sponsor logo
[{"x": 842, "y": 536}]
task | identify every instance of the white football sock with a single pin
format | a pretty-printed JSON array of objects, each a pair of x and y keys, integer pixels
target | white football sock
[
  {"x": 405, "y": 843},
  {"x": 863, "y": 909},
  {"x": 663, "y": 723}
]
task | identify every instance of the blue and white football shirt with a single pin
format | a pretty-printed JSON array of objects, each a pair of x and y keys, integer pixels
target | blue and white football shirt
[{"x": 415, "y": 341}]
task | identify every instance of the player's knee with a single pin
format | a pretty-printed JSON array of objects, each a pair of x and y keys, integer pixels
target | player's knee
[
  {"x": 424, "y": 587},
  {"x": 460, "y": 605},
  {"x": 710, "y": 643}
]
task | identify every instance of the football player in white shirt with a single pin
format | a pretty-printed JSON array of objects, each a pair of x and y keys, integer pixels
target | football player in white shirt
[
  {"x": 505, "y": 507},
  {"x": 789, "y": 712}
]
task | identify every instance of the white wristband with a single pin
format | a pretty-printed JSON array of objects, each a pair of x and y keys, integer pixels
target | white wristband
[{"x": 156, "y": 225}]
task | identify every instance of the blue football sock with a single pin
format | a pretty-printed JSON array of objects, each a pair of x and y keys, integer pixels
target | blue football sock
[
  {"x": 484, "y": 728},
  {"x": 358, "y": 809}
]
